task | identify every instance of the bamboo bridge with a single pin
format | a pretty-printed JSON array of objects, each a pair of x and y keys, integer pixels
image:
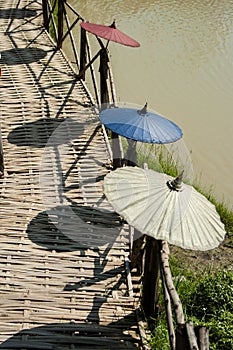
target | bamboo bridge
[{"x": 65, "y": 277}]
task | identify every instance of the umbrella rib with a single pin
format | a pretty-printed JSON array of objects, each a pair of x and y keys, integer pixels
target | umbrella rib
[{"x": 162, "y": 131}]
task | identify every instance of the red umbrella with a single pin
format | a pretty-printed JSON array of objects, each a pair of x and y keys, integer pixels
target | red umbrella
[{"x": 110, "y": 33}]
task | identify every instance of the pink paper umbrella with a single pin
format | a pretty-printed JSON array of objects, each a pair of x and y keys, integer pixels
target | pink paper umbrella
[{"x": 110, "y": 33}]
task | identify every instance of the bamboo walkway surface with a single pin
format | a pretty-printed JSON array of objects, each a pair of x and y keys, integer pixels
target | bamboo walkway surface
[{"x": 63, "y": 261}]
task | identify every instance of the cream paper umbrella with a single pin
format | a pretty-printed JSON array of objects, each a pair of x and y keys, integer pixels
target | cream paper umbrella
[{"x": 164, "y": 208}]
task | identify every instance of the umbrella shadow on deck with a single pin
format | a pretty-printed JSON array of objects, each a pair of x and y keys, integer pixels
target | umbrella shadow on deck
[
  {"x": 69, "y": 228},
  {"x": 17, "y": 13},
  {"x": 19, "y": 56},
  {"x": 38, "y": 133},
  {"x": 76, "y": 336}
]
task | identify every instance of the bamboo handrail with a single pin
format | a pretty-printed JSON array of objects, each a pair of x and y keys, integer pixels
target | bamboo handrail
[
  {"x": 71, "y": 37},
  {"x": 167, "y": 300},
  {"x": 178, "y": 309},
  {"x": 73, "y": 10}
]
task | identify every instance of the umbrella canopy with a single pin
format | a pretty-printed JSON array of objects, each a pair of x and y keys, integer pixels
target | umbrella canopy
[
  {"x": 164, "y": 208},
  {"x": 110, "y": 33},
  {"x": 140, "y": 125}
]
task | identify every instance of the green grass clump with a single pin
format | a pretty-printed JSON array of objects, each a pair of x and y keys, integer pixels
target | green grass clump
[
  {"x": 156, "y": 157},
  {"x": 210, "y": 296},
  {"x": 160, "y": 339},
  {"x": 207, "y": 300}
]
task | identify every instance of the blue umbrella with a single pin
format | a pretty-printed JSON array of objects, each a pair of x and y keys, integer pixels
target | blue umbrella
[{"x": 140, "y": 125}]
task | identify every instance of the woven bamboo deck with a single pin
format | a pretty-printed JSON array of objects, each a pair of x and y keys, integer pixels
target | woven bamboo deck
[{"x": 63, "y": 276}]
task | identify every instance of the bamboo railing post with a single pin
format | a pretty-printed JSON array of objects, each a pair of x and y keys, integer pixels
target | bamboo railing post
[
  {"x": 191, "y": 336},
  {"x": 182, "y": 342},
  {"x": 178, "y": 309},
  {"x": 202, "y": 334},
  {"x": 104, "y": 97},
  {"x": 116, "y": 151},
  {"x": 103, "y": 70},
  {"x": 93, "y": 75},
  {"x": 45, "y": 15},
  {"x": 137, "y": 251},
  {"x": 1, "y": 156},
  {"x": 151, "y": 275},
  {"x": 83, "y": 53},
  {"x": 60, "y": 13},
  {"x": 116, "y": 139},
  {"x": 167, "y": 300}
]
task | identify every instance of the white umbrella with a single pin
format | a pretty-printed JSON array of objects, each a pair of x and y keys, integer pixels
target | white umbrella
[{"x": 164, "y": 208}]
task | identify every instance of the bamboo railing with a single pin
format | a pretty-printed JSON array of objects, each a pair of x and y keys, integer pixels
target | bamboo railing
[
  {"x": 150, "y": 256},
  {"x": 155, "y": 269},
  {"x": 57, "y": 22}
]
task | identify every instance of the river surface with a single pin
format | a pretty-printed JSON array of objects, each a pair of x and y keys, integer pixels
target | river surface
[{"x": 183, "y": 69}]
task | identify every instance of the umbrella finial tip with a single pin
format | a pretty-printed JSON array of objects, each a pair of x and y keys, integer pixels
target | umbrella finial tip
[
  {"x": 176, "y": 184},
  {"x": 143, "y": 111},
  {"x": 113, "y": 25}
]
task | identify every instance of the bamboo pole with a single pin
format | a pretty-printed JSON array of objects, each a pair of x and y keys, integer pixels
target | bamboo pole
[
  {"x": 202, "y": 337},
  {"x": 178, "y": 309},
  {"x": 70, "y": 28},
  {"x": 88, "y": 65},
  {"x": 1, "y": 156},
  {"x": 182, "y": 342},
  {"x": 83, "y": 52},
  {"x": 112, "y": 85},
  {"x": 74, "y": 11},
  {"x": 51, "y": 18},
  {"x": 151, "y": 275},
  {"x": 93, "y": 76},
  {"x": 167, "y": 300},
  {"x": 70, "y": 33},
  {"x": 60, "y": 23},
  {"x": 104, "y": 74},
  {"x": 45, "y": 15},
  {"x": 191, "y": 336},
  {"x": 118, "y": 149}
]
